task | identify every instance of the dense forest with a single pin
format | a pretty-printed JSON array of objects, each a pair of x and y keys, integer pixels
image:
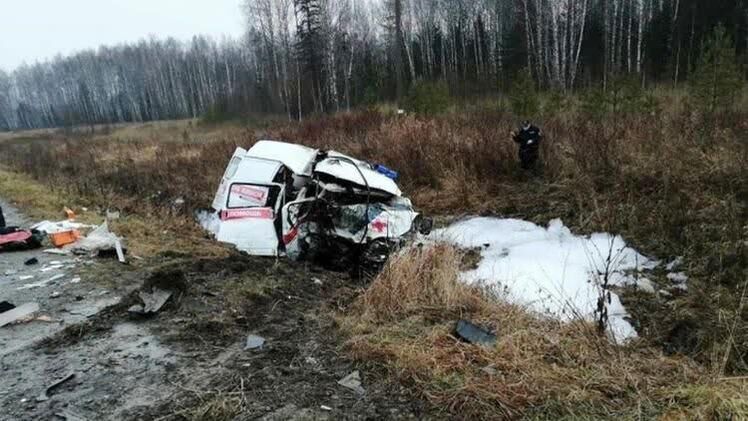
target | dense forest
[{"x": 311, "y": 56}]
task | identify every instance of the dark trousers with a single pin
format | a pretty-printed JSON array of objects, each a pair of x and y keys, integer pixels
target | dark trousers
[
  {"x": 2, "y": 218},
  {"x": 528, "y": 157}
]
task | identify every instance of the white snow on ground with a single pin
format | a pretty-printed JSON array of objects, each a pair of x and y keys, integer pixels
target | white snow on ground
[
  {"x": 551, "y": 270},
  {"x": 209, "y": 221},
  {"x": 678, "y": 277}
]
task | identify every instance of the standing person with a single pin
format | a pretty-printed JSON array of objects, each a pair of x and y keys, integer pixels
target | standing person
[
  {"x": 528, "y": 137},
  {"x": 2, "y": 218}
]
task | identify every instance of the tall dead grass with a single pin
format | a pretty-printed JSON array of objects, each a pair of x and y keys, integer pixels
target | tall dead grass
[
  {"x": 420, "y": 280},
  {"x": 671, "y": 184},
  {"x": 539, "y": 368}
]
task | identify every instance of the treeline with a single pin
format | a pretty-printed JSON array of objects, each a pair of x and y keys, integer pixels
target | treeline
[
  {"x": 151, "y": 80},
  {"x": 311, "y": 56}
]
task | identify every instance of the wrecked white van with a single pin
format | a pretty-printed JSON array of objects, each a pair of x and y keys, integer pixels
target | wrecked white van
[{"x": 285, "y": 199}]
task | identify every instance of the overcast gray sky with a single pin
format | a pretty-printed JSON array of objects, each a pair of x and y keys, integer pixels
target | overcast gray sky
[{"x": 32, "y": 30}]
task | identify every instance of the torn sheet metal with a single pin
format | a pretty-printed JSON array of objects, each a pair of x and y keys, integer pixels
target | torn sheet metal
[
  {"x": 361, "y": 174},
  {"x": 279, "y": 198}
]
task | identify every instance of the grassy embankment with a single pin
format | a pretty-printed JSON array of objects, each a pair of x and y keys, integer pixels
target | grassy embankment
[{"x": 671, "y": 182}]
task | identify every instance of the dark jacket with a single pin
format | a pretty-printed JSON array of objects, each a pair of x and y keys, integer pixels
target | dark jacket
[{"x": 529, "y": 138}]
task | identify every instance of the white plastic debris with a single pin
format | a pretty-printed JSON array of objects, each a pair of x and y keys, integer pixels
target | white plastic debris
[
  {"x": 59, "y": 252},
  {"x": 353, "y": 382},
  {"x": 18, "y": 313},
  {"x": 48, "y": 227},
  {"x": 254, "y": 342},
  {"x": 98, "y": 239},
  {"x": 41, "y": 283}
]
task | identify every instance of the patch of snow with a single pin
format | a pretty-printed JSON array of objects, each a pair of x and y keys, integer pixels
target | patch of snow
[
  {"x": 209, "y": 221},
  {"x": 551, "y": 270},
  {"x": 678, "y": 277},
  {"x": 665, "y": 293},
  {"x": 646, "y": 285},
  {"x": 674, "y": 264}
]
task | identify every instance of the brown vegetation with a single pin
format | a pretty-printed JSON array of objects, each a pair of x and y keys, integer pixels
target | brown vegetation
[
  {"x": 539, "y": 368},
  {"x": 672, "y": 182}
]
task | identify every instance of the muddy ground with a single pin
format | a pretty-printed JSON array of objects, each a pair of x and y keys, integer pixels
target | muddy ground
[{"x": 187, "y": 362}]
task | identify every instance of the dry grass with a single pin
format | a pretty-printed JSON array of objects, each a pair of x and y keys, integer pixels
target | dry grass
[
  {"x": 667, "y": 181},
  {"x": 420, "y": 280},
  {"x": 539, "y": 368},
  {"x": 150, "y": 232}
]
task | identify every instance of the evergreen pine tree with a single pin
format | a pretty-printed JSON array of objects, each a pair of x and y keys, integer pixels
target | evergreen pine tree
[{"x": 716, "y": 78}]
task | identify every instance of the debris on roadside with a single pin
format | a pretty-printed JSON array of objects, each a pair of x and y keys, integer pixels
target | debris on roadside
[
  {"x": 353, "y": 382},
  {"x": 100, "y": 242},
  {"x": 474, "y": 334},
  {"x": 152, "y": 302},
  {"x": 44, "y": 396},
  {"x": 16, "y": 239},
  {"x": 45, "y": 319},
  {"x": 63, "y": 238},
  {"x": 59, "y": 252},
  {"x": 53, "y": 266},
  {"x": 69, "y": 214},
  {"x": 254, "y": 342},
  {"x": 284, "y": 199},
  {"x": 6, "y": 306},
  {"x": 48, "y": 227},
  {"x": 41, "y": 283},
  {"x": 18, "y": 313}
]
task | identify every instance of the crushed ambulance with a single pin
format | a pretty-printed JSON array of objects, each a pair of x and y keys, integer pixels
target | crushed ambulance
[{"x": 285, "y": 199}]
